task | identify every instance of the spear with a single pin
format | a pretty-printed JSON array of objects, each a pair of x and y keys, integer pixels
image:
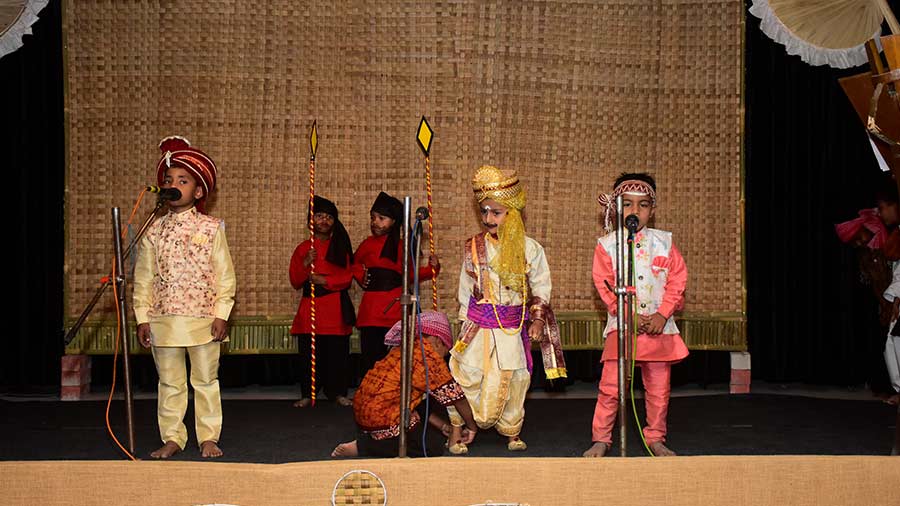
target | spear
[
  {"x": 424, "y": 136},
  {"x": 313, "y": 145}
]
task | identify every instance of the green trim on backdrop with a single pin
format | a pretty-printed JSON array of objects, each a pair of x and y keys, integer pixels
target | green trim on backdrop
[{"x": 580, "y": 330}]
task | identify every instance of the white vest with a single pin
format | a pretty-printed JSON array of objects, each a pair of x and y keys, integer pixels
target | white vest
[{"x": 650, "y": 280}]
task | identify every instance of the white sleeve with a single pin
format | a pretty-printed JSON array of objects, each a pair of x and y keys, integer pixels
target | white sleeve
[
  {"x": 893, "y": 291},
  {"x": 539, "y": 272},
  {"x": 466, "y": 286}
]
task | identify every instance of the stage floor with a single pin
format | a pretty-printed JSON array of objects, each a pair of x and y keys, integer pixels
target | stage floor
[{"x": 272, "y": 431}]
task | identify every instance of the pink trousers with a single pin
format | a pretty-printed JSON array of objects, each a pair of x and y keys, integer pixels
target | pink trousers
[{"x": 656, "y": 376}]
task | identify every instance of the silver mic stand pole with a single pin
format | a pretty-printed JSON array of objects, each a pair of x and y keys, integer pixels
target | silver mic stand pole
[
  {"x": 406, "y": 302},
  {"x": 624, "y": 300}
]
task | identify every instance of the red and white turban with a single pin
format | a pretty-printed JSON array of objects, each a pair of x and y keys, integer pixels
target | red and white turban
[
  {"x": 177, "y": 152},
  {"x": 627, "y": 187}
]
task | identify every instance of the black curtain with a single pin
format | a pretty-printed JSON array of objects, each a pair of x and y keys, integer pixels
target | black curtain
[
  {"x": 808, "y": 166},
  {"x": 32, "y": 155}
]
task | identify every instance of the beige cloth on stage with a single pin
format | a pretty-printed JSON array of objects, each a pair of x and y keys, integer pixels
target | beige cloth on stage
[{"x": 492, "y": 370}]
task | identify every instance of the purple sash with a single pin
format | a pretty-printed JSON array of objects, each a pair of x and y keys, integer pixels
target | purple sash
[{"x": 510, "y": 316}]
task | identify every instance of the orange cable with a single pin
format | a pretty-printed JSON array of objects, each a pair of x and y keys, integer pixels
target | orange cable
[{"x": 115, "y": 360}]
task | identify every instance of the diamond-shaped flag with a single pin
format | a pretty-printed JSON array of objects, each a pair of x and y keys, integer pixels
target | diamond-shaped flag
[
  {"x": 313, "y": 140},
  {"x": 424, "y": 136}
]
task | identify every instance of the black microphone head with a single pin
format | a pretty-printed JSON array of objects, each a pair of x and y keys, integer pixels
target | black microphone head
[
  {"x": 632, "y": 222},
  {"x": 169, "y": 194},
  {"x": 422, "y": 213}
]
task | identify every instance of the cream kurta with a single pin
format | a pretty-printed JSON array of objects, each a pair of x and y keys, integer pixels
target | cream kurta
[
  {"x": 188, "y": 326},
  {"x": 492, "y": 369},
  {"x": 508, "y": 345}
]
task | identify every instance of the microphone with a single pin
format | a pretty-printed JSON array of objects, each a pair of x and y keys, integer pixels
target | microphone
[
  {"x": 631, "y": 223},
  {"x": 422, "y": 213},
  {"x": 165, "y": 193}
]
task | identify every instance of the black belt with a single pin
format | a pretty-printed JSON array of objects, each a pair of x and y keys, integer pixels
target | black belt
[
  {"x": 383, "y": 280},
  {"x": 348, "y": 314}
]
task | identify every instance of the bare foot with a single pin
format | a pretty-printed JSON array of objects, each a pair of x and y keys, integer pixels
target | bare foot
[
  {"x": 343, "y": 401},
  {"x": 597, "y": 450},
  {"x": 347, "y": 449},
  {"x": 661, "y": 450},
  {"x": 210, "y": 450},
  {"x": 166, "y": 451},
  {"x": 303, "y": 403}
]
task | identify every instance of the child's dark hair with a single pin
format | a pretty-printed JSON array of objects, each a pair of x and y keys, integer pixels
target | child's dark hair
[
  {"x": 639, "y": 176},
  {"x": 887, "y": 190}
]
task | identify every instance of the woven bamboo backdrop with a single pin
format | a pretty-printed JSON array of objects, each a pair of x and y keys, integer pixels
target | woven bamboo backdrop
[{"x": 567, "y": 93}]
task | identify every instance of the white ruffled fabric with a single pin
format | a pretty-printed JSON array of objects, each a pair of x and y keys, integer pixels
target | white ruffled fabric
[
  {"x": 809, "y": 53},
  {"x": 11, "y": 39}
]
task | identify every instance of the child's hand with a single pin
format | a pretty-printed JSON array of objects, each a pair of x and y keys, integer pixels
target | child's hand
[
  {"x": 219, "y": 328},
  {"x": 468, "y": 435},
  {"x": 536, "y": 330},
  {"x": 434, "y": 262},
  {"x": 317, "y": 279},
  {"x": 365, "y": 278},
  {"x": 310, "y": 257},
  {"x": 652, "y": 324},
  {"x": 144, "y": 335}
]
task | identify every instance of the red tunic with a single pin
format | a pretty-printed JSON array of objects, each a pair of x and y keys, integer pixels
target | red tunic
[
  {"x": 371, "y": 308},
  {"x": 329, "y": 319}
]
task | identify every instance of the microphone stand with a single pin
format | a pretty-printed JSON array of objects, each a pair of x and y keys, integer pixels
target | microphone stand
[
  {"x": 624, "y": 291},
  {"x": 123, "y": 324},
  {"x": 406, "y": 302},
  {"x": 73, "y": 331},
  {"x": 409, "y": 303},
  {"x": 119, "y": 280}
]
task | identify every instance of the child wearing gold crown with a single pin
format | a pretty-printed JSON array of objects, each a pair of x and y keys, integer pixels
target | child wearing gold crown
[
  {"x": 491, "y": 360},
  {"x": 660, "y": 279},
  {"x": 184, "y": 287}
]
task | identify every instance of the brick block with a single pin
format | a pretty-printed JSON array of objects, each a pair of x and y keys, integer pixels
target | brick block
[
  {"x": 740, "y": 389},
  {"x": 740, "y": 360},
  {"x": 73, "y": 393},
  {"x": 740, "y": 376},
  {"x": 76, "y": 378},
  {"x": 75, "y": 362}
]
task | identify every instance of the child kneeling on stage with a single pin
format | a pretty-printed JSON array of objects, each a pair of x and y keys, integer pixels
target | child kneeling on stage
[
  {"x": 184, "y": 287},
  {"x": 660, "y": 280},
  {"x": 376, "y": 405}
]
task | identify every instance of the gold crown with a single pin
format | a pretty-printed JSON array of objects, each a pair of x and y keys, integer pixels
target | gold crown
[{"x": 492, "y": 183}]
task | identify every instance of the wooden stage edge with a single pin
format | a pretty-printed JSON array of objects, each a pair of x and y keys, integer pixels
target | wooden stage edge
[{"x": 732, "y": 480}]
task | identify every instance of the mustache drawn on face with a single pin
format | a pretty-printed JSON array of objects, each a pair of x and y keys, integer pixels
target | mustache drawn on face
[{"x": 489, "y": 225}]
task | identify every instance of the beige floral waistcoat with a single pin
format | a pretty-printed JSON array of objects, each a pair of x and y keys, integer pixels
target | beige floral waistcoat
[{"x": 185, "y": 283}]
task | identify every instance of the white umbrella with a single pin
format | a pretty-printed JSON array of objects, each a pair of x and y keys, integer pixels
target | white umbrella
[
  {"x": 824, "y": 32},
  {"x": 16, "y": 18}
]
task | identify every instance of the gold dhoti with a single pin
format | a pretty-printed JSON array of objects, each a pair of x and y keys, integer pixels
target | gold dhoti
[{"x": 496, "y": 387}]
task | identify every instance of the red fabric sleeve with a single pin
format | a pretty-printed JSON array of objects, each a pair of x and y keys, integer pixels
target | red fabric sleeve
[
  {"x": 676, "y": 281},
  {"x": 299, "y": 273}
]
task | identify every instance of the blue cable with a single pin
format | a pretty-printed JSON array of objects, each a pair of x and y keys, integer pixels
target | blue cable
[{"x": 415, "y": 262}]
